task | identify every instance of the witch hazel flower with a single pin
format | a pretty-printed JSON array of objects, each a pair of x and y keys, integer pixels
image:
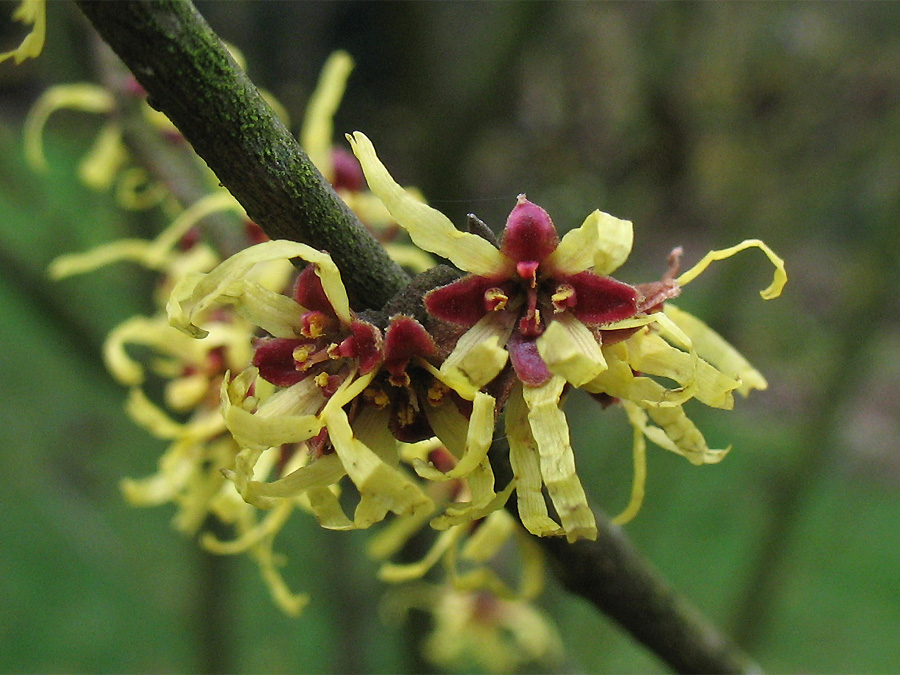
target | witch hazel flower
[{"x": 549, "y": 305}]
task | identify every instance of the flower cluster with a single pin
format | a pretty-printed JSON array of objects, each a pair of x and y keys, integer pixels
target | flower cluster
[
  {"x": 278, "y": 396},
  {"x": 537, "y": 314}
]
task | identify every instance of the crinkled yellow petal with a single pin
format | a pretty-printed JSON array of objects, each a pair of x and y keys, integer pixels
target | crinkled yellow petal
[
  {"x": 675, "y": 433},
  {"x": 195, "y": 294},
  {"x": 322, "y": 472},
  {"x": 155, "y": 333},
  {"x": 33, "y": 13},
  {"x": 258, "y": 541},
  {"x": 185, "y": 393},
  {"x": 716, "y": 350},
  {"x": 327, "y": 509},
  {"x": 478, "y": 441},
  {"x": 479, "y": 354},
  {"x": 428, "y": 228},
  {"x": 156, "y": 254},
  {"x": 571, "y": 350},
  {"x": 83, "y": 97},
  {"x": 779, "y": 278},
  {"x": 619, "y": 380},
  {"x": 317, "y": 132},
  {"x": 491, "y": 535},
  {"x": 106, "y": 158},
  {"x": 396, "y": 573},
  {"x": 409, "y": 257},
  {"x": 526, "y": 465},
  {"x": 265, "y": 527},
  {"x": 639, "y": 456},
  {"x": 460, "y": 513},
  {"x": 274, "y": 312},
  {"x": 602, "y": 242},
  {"x": 551, "y": 433},
  {"x": 382, "y": 487},
  {"x": 143, "y": 411},
  {"x": 288, "y": 416},
  {"x": 394, "y": 535},
  {"x": 650, "y": 354}
]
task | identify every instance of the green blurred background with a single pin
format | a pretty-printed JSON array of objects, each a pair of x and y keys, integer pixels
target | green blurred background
[{"x": 704, "y": 124}]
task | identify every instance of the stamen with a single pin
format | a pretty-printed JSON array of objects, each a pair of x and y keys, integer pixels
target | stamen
[
  {"x": 436, "y": 392},
  {"x": 495, "y": 300},
  {"x": 564, "y": 298},
  {"x": 312, "y": 324}
]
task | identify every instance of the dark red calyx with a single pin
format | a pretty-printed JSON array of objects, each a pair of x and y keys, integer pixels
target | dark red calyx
[
  {"x": 529, "y": 234},
  {"x": 363, "y": 344},
  {"x": 405, "y": 338},
  {"x": 602, "y": 299},
  {"x": 308, "y": 292},
  {"x": 465, "y": 301},
  {"x": 348, "y": 173},
  {"x": 276, "y": 362}
]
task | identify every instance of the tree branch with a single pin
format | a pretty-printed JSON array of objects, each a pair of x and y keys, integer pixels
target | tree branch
[{"x": 191, "y": 77}]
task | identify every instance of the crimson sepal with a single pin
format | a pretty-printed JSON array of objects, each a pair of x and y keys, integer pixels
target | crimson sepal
[
  {"x": 364, "y": 345},
  {"x": 655, "y": 293},
  {"x": 348, "y": 174},
  {"x": 275, "y": 359},
  {"x": 404, "y": 339},
  {"x": 309, "y": 293},
  {"x": 601, "y": 299},
  {"x": 529, "y": 234},
  {"x": 462, "y": 302},
  {"x": 527, "y": 362}
]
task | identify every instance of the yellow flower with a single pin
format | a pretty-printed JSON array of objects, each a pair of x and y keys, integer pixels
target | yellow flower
[
  {"x": 33, "y": 13},
  {"x": 478, "y": 630},
  {"x": 324, "y": 358},
  {"x": 549, "y": 305}
]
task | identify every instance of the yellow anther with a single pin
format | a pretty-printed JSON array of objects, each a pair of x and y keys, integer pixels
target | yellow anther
[
  {"x": 563, "y": 297},
  {"x": 495, "y": 299}
]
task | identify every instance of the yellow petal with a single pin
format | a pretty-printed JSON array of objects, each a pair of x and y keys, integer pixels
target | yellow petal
[
  {"x": 156, "y": 254},
  {"x": 288, "y": 416},
  {"x": 83, "y": 97},
  {"x": 409, "y": 257},
  {"x": 779, "y": 278},
  {"x": 571, "y": 350},
  {"x": 317, "y": 132},
  {"x": 479, "y": 354},
  {"x": 639, "y": 458},
  {"x": 395, "y": 573},
  {"x": 551, "y": 433},
  {"x": 394, "y": 535},
  {"x": 323, "y": 472},
  {"x": 196, "y": 293},
  {"x": 650, "y": 354},
  {"x": 602, "y": 242},
  {"x": 478, "y": 441},
  {"x": 428, "y": 228},
  {"x": 526, "y": 465},
  {"x": 382, "y": 487},
  {"x": 714, "y": 348},
  {"x": 675, "y": 433},
  {"x": 31, "y": 12},
  {"x": 105, "y": 159}
]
